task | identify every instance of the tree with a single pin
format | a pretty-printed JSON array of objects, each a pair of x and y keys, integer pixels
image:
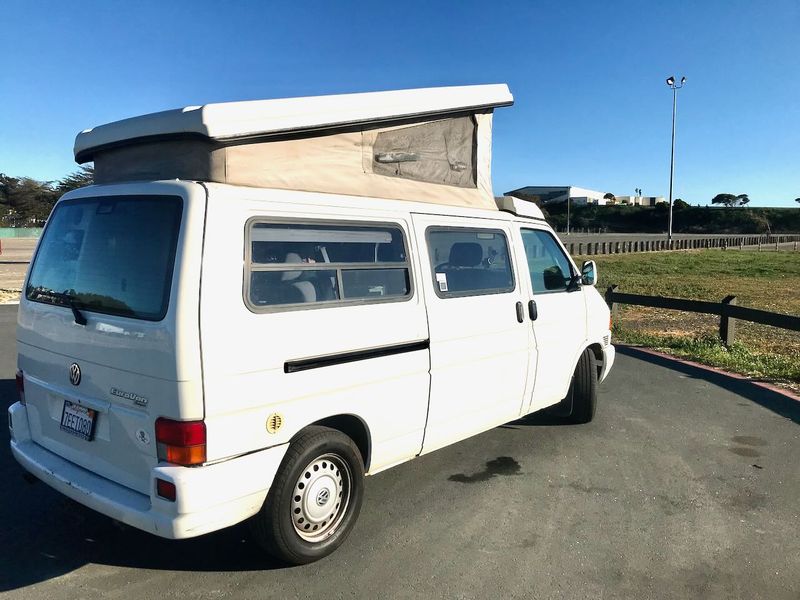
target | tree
[
  {"x": 797, "y": 200},
  {"x": 78, "y": 179},
  {"x": 679, "y": 204},
  {"x": 730, "y": 200},
  {"x": 24, "y": 201},
  {"x": 610, "y": 198}
]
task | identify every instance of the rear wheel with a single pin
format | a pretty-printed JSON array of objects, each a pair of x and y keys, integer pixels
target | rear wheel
[
  {"x": 581, "y": 401},
  {"x": 315, "y": 498}
]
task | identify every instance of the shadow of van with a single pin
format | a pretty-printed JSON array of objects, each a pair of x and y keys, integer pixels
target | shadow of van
[{"x": 776, "y": 402}]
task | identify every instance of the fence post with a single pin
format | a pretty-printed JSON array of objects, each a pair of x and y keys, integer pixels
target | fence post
[
  {"x": 612, "y": 306},
  {"x": 596, "y": 247},
  {"x": 604, "y": 247},
  {"x": 727, "y": 326},
  {"x": 580, "y": 247}
]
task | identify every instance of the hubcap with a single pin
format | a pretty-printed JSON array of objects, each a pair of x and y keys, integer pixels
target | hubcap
[{"x": 320, "y": 497}]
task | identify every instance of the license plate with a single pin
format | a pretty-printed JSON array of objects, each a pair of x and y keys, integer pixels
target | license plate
[{"x": 78, "y": 420}]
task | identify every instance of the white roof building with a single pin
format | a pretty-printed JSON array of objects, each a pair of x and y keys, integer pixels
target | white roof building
[{"x": 555, "y": 194}]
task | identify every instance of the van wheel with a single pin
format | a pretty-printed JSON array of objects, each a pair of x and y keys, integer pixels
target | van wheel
[
  {"x": 582, "y": 394},
  {"x": 315, "y": 498}
]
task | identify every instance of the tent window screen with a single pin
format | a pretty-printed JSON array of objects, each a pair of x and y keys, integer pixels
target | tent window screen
[{"x": 438, "y": 152}]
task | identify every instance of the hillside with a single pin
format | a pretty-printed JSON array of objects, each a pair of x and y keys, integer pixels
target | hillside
[{"x": 691, "y": 219}]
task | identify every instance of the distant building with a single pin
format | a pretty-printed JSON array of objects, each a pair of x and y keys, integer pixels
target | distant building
[
  {"x": 640, "y": 200},
  {"x": 578, "y": 196},
  {"x": 555, "y": 194}
]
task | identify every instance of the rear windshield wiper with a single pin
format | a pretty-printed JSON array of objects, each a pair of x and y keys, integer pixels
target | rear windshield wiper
[
  {"x": 77, "y": 314},
  {"x": 67, "y": 297}
]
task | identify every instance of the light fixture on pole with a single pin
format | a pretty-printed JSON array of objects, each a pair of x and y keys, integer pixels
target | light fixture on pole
[{"x": 674, "y": 87}]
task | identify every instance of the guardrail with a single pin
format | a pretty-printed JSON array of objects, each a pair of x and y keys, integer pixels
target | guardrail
[
  {"x": 727, "y": 310},
  {"x": 736, "y": 241}
]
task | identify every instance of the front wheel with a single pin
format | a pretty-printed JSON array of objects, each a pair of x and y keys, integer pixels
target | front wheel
[
  {"x": 582, "y": 395},
  {"x": 315, "y": 498}
]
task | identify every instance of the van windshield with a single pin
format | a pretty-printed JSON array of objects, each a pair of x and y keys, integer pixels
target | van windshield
[{"x": 112, "y": 255}]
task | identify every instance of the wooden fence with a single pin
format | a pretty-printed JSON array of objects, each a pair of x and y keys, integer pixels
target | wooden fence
[
  {"x": 727, "y": 310},
  {"x": 736, "y": 241}
]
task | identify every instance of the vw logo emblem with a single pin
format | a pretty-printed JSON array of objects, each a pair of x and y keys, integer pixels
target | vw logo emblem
[
  {"x": 74, "y": 374},
  {"x": 323, "y": 497}
]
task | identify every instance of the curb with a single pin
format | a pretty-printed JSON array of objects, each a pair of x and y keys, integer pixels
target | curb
[{"x": 768, "y": 386}]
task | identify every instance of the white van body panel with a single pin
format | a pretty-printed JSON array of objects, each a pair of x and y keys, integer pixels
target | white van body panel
[
  {"x": 244, "y": 376},
  {"x": 215, "y": 358}
]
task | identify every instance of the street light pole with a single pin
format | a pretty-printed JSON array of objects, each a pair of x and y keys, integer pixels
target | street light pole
[
  {"x": 674, "y": 87},
  {"x": 567, "y": 214}
]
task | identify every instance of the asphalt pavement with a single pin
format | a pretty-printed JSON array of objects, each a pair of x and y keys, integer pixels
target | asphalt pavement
[{"x": 686, "y": 485}]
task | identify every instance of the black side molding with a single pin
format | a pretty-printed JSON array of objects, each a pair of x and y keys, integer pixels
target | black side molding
[{"x": 293, "y": 366}]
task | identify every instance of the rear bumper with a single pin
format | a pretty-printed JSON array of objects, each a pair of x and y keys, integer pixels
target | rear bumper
[
  {"x": 208, "y": 498},
  {"x": 609, "y": 353}
]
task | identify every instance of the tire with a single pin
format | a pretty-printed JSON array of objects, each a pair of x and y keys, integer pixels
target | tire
[
  {"x": 315, "y": 498},
  {"x": 582, "y": 394}
]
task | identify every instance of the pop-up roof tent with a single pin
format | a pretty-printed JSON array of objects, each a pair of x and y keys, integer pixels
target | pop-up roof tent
[{"x": 429, "y": 145}]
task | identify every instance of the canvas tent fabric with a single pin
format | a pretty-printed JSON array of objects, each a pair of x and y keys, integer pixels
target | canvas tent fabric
[{"x": 442, "y": 157}]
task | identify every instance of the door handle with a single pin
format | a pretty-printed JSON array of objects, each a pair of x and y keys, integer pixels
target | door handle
[
  {"x": 533, "y": 311},
  {"x": 520, "y": 312}
]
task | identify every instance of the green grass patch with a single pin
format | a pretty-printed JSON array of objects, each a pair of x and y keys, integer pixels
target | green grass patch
[
  {"x": 766, "y": 280},
  {"x": 710, "y": 350}
]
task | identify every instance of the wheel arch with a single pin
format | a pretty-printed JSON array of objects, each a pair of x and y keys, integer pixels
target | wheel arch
[
  {"x": 597, "y": 349},
  {"x": 354, "y": 428}
]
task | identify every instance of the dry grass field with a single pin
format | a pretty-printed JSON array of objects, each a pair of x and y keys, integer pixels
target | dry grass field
[{"x": 769, "y": 281}]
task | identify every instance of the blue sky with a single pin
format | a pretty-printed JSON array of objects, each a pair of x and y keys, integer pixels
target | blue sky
[{"x": 592, "y": 108}]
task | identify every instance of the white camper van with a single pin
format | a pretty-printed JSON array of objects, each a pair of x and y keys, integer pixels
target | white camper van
[{"x": 259, "y": 303}]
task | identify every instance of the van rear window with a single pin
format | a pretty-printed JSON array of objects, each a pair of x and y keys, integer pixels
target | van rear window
[{"x": 112, "y": 255}]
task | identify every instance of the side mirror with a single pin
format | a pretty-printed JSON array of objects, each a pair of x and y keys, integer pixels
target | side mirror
[{"x": 589, "y": 273}]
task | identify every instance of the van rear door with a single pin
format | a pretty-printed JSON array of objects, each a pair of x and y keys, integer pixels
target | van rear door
[{"x": 97, "y": 329}]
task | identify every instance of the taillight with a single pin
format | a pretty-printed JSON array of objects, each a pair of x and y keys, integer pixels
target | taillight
[
  {"x": 181, "y": 442},
  {"x": 21, "y": 387}
]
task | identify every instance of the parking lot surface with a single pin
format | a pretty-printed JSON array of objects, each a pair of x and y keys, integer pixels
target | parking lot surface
[{"x": 685, "y": 486}]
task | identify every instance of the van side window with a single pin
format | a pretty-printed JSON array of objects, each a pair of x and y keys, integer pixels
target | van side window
[
  {"x": 468, "y": 262},
  {"x": 326, "y": 263},
  {"x": 549, "y": 268}
]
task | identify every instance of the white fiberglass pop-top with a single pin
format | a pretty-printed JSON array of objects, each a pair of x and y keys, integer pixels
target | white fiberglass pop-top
[{"x": 259, "y": 303}]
